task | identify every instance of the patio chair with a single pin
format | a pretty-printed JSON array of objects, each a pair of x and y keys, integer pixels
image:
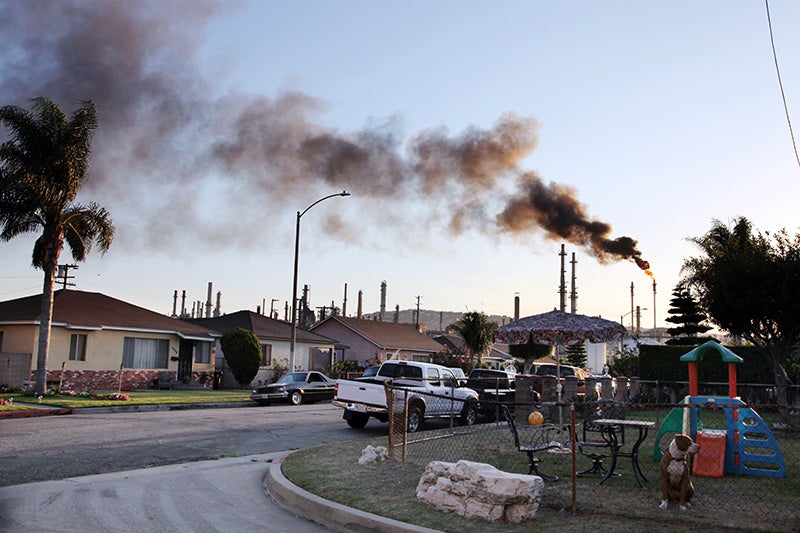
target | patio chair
[
  {"x": 541, "y": 438},
  {"x": 594, "y": 443}
]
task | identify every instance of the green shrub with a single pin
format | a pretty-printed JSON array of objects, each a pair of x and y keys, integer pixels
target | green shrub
[{"x": 242, "y": 354}]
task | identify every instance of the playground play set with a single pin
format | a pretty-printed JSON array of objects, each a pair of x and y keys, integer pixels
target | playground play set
[{"x": 746, "y": 446}]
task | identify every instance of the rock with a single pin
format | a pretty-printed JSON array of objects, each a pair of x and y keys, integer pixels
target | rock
[
  {"x": 476, "y": 489},
  {"x": 372, "y": 454}
]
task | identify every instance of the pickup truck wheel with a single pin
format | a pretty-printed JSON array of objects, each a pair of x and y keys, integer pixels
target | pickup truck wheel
[
  {"x": 296, "y": 398},
  {"x": 357, "y": 420},
  {"x": 414, "y": 419},
  {"x": 469, "y": 414}
]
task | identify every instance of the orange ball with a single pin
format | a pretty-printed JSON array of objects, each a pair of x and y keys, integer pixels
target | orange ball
[{"x": 535, "y": 418}]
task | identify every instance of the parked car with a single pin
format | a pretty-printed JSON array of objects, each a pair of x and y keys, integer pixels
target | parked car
[
  {"x": 370, "y": 371},
  {"x": 296, "y": 388},
  {"x": 494, "y": 388},
  {"x": 432, "y": 392},
  {"x": 461, "y": 379},
  {"x": 551, "y": 369}
]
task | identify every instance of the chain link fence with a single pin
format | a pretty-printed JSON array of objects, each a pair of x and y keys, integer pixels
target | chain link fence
[{"x": 746, "y": 475}]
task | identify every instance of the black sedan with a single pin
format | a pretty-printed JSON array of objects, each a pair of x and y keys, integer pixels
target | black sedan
[{"x": 296, "y": 387}]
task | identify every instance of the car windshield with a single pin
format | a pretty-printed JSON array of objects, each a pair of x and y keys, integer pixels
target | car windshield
[
  {"x": 371, "y": 371},
  {"x": 294, "y": 377}
]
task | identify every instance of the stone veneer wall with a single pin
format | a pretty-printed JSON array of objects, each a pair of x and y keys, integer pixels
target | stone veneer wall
[{"x": 105, "y": 379}]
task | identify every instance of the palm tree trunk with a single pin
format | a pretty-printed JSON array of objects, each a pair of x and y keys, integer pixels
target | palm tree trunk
[
  {"x": 49, "y": 264},
  {"x": 45, "y": 319}
]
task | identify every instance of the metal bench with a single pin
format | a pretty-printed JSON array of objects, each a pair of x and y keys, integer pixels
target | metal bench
[{"x": 541, "y": 439}]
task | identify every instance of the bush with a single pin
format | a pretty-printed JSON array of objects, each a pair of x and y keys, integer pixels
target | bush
[
  {"x": 341, "y": 368},
  {"x": 242, "y": 354}
]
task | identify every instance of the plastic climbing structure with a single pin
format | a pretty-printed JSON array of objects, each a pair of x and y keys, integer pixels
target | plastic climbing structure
[{"x": 750, "y": 447}]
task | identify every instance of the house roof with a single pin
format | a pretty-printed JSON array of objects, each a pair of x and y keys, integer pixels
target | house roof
[
  {"x": 264, "y": 327},
  {"x": 386, "y": 334},
  {"x": 452, "y": 342},
  {"x": 92, "y": 310}
]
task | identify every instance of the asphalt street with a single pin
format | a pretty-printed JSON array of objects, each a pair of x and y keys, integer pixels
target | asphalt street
[
  {"x": 198, "y": 470},
  {"x": 208, "y": 496}
]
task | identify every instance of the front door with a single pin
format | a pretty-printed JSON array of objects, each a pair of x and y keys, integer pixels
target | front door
[{"x": 185, "y": 359}]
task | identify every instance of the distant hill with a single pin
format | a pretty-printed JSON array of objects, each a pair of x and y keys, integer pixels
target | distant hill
[{"x": 432, "y": 321}]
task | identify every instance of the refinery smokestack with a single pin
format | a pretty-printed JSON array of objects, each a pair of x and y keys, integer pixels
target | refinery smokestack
[
  {"x": 516, "y": 306},
  {"x": 359, "y": 310},
  {"x": 183, "y": 303},
  {"x": 562, "y": 288},
  {"x": 175, "y": 304},
  {"x": 208, "y": 301},
  {"x": 218, "y": 309},
  {"x": 383, "y": 300},
  {"x": 573, "y": 297}
]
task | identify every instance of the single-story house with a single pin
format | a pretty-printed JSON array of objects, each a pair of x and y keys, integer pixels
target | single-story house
[
  {"x": 99, "y": 342},
  {"x": 370, "y": 342},
  {"x": 312, "y": 351}
]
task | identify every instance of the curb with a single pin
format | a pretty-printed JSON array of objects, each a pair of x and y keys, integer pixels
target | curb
[
  {"x": 330, "y": 514},
  {"x": 28, "y": 413},
  {"x": 50, "y": 411}
]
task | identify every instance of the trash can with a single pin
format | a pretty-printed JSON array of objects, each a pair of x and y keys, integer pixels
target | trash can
[{"x": 710, "y": 460}]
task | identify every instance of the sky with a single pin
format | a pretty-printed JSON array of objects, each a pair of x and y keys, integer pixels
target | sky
[{"x": 474, "y": 138}]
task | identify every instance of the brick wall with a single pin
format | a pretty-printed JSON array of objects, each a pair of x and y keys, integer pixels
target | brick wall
[{"x": 104, "y": 379}]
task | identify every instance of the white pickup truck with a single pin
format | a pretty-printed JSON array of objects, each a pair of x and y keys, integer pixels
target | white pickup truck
[{"x": 434, "y": 392}]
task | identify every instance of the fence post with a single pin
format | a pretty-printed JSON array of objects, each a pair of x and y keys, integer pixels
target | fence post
[{"x": 572, "y": 438}]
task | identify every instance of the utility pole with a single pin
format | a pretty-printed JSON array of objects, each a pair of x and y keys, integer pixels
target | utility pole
[{"x": 63, "y": 274}]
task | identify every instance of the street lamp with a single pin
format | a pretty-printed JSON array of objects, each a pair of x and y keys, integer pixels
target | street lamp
[{"x": 294, "y": 283}]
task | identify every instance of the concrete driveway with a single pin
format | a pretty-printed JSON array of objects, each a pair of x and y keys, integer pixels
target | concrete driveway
[{"x": 207, "y": 496}]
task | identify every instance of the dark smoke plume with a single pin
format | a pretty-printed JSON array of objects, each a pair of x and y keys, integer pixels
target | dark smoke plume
[
  {"x": 185, "y": 158},
  {"x": 556, "y": 210}
]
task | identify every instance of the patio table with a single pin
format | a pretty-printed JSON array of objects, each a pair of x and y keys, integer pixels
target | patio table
[{"x": 615, "y": 431}]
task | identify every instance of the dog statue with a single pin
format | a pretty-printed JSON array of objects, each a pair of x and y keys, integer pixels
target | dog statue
[{"x": 675, "y": 466}]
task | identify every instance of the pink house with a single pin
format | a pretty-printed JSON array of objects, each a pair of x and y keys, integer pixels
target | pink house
[{"x": 371, "y": 342}]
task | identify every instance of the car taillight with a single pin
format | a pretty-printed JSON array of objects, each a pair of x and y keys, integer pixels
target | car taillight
[{"x": 336, "y": 389}]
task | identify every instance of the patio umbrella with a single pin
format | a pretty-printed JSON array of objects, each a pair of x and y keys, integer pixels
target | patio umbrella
[{"x": 558, "y": 328}]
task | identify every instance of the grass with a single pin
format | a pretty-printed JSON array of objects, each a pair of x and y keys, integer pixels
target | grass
[
  {"x": 731, "y": 503},
  {"x": 136, "y": 398}
]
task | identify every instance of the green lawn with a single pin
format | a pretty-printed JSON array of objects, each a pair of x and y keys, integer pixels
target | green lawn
[
  {"x": 136, "y": 398},
  {"x": 731, "y": 503}
]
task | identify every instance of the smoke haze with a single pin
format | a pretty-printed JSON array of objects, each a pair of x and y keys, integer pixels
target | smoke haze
[{"x": 164, "y": 141}]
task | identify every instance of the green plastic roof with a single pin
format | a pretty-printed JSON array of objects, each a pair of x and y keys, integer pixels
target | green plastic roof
[{"x": 697, "y": 354}]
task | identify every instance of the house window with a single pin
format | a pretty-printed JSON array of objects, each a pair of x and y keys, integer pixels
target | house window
[
  {"x": 202, "y": 352},
  {"x": 77, "y": 347},
  {"x": 266, "y": 355},
  {"x": 1, "y": 342},
  {"x": 421, "y": 357},
  {"x": 145, "y": 353}
]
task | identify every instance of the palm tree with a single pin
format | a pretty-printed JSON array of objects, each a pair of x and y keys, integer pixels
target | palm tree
[
  {"x": 477, "y": 332},
  {"x": 42, "y": 168}
]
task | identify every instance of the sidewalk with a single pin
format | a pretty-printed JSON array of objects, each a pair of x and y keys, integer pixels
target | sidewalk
[{"x": 45, "y": 410}]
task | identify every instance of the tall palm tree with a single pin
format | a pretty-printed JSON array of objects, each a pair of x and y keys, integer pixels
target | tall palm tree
[{"x": 42, "y": 168}]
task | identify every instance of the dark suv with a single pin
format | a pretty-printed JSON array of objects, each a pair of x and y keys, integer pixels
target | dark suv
[
  {"x": 550, "y": 369},
  {"x": 493, "y": 387}
]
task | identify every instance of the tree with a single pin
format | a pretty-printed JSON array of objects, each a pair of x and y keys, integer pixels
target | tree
[
  {"x": 242, "y": 354},
  {"x": 686, "y": 312},
  {"x": 477, "y": 332},
  {"x": 749, "y": 285},
  {"x": 576, "y": 355},
  {"x": 42, "y": 168}
]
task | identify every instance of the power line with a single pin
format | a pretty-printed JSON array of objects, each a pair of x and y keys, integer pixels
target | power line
[{"x": 780, "y": 83}]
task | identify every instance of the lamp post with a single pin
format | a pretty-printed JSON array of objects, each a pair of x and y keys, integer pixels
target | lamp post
[
  {"x": 294, "y": 282},
  {"x": 634, "y": 333}
]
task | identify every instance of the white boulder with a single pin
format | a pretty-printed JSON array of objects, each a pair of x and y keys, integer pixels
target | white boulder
[{"x": 476, "y": 489}]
